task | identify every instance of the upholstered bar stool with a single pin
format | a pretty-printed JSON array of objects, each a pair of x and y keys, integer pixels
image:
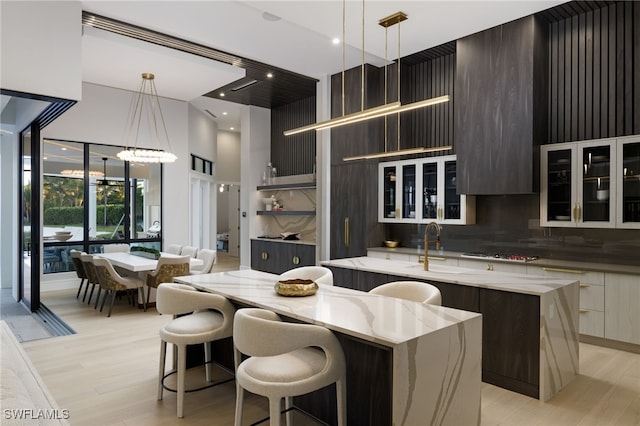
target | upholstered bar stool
[
  {"x": 285, "y": 360},
  {"x": 210, "y": 318},
  {"x": 166, "y": 270},
  {"x": 319, "y": 274},
  {"x": 410, "y": 290}
]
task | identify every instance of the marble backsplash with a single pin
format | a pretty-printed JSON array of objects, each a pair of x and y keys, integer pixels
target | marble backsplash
[{"x": 510, "y": 224}]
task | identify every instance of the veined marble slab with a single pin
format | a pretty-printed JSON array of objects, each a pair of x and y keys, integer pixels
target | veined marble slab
[
  {"x": 515, "y": 283},
  {"x": 437, "y": 351}
]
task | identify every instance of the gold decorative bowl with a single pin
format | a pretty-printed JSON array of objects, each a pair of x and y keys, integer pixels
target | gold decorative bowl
[
  {"x": 296, "y": 287},
  {"x": 391, "y": 244}
]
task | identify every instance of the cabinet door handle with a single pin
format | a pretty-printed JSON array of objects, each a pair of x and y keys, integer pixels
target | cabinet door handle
[
  {"x": 346, "y": 232},
  {"x": 570, "y": 271},
  {"x": 264, "y": 255},
  {"x": 583, "y": 311},
  {"x": 584, "y": 285},
  {"x": 295, "y": 260}
]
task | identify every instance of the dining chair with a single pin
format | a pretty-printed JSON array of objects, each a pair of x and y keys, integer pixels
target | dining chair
[
  {"x": 79, "y": 268},
  {"x": 112, "y": 282},
  {"x": 173, "y": 249},
  {"x": 210, "y": 317},
  {"x": 319, "y": 274},
  {"x": 189, "y": 251},
  {"x": 92, "y": 276},
  {"x": 208, "y": 258},
  {"x": 285, "y": 360},
  {"x": 418, "y": 291},
  {"x": 167, "y": 269},
  {"x": 116, "y": 248}
]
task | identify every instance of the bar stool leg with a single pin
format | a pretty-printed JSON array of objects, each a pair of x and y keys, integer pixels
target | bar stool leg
[
  {"x": 274, "y": 411},
  {"x": 182, "y": 370},
  {"x": 163, "y": 356},
  {"x": 207, "y": 360},
  {"x": 239, "y": 403}
]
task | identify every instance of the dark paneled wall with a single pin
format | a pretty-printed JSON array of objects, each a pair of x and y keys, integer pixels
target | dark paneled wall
[
  {"x": 430, "y": 126},
  {"x": 594, "y": 74},
  {"x": 293, "y": 155}
]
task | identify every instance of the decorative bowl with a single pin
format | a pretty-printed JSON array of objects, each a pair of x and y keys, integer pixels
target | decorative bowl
[
  {"x": 391, "y": 243},
  {"x": 296, "y": 287},
  {"x": 63, "y": 237},
  {"x": 63, "y": 232}
]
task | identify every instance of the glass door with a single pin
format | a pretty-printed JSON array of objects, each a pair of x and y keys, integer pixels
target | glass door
[
  {"x": 629, "y": 183},
  {"x": 596, "y": 185},
  {"x": 409, "y": 191},
  {"x": 389, "y": 191},
  {"x": 559, "y": 186},
  {"x": 430, "y": 190},
  {"x": 451, "y": 198}
]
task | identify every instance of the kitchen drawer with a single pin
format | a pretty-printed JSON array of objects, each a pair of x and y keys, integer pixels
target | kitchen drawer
[
  {"x": 488, "y": 265},
  {"x": 591, "y": 322},
  {"x": 585, "y": 277},
  {"x": 392, "y": 256},
  {"x": 592, "y": 297}
]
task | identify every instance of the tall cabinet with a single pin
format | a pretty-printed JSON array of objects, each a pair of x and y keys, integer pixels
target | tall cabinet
[{"x": 591, "y": 184}]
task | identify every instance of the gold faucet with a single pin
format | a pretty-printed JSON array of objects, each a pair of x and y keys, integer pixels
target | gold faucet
[{"x": 426, "y": 242}]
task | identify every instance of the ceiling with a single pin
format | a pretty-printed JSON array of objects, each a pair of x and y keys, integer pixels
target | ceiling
[{"x": 286, "y": 35}]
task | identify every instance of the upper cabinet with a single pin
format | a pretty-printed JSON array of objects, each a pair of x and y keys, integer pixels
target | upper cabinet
[
  {"x": 422, "y": 190},
  {"x": 500, "y": 100},
  {"x": 591, "y": 184}
]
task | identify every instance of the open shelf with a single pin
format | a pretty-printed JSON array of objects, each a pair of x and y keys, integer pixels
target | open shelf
[
  {"x": 286, "y": 186},
  {"x": 286, "y": 212}
]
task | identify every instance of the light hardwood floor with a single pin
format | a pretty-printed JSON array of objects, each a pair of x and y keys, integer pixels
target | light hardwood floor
[{"x": 106, "y": 375}]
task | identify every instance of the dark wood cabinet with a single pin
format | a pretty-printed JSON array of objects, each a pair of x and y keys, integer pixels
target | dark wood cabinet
[
  {"x": 277, "y": 257},
  {"x": 511, "y": 340},
  {"x": 501, "y": 114},
  {"x": 354, "y": 196}
]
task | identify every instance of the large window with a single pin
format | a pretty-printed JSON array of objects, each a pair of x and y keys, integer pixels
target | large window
[{"x": 91, "y": 198}]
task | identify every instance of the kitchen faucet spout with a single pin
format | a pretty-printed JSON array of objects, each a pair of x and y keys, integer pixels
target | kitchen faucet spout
[{"x": 438, "y": 228}]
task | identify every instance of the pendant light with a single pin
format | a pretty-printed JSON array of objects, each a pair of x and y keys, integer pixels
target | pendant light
[
  {"x": 147, "y": 100},
  {"x": 375, "y": 112}
]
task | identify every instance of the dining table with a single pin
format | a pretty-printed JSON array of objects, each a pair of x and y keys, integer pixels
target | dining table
[
  {"x": 135, "y": 263},
  {"x": 407, "y": 363}
]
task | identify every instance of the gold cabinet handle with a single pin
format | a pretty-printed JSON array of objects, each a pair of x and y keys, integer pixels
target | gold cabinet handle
[
  {"x": 346, "y": 232},
  {"x": 264, "y": 255},
  {"x": 296, "y": 260},
  {"x": 437, "y": 258},
  {"x": 489, "y": 267},
  {"x": 583, "y": 311},
  {"x": 397, "y": 213},
  {"x": 570, "y": 271},
  {"x": 573, "y": 213},
  {"x": 584, "y": 285}
]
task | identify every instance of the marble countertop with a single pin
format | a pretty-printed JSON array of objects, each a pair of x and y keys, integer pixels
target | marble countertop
[
  {"x": 554, "y": 263},
  {"x": 515, "y": 283},
  {"x": 375, "y": 318},
  {"x": 280, "y": 240}
]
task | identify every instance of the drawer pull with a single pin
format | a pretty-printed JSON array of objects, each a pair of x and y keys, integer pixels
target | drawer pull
[
  {"x": 296, "y": 260},
  {"x": 569, "y": 271},
  {"x": 584, "y": 285},
  {"x": 583, "y": 311},
  {"x": 264, "y": 255},
  {"x": 436, "y": 258}
]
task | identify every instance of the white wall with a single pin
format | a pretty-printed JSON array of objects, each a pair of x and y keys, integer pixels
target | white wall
[
  {"x": 101, "y": 117},
  {"x": 254, "y": 153},
  {"x": 41, "y": 47},
  {"x": 228, "y": 166}
]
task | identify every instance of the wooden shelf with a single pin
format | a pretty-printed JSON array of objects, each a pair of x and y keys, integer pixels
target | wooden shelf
[
  {"x": 287, "y": 186},
  {"x": 286, "y": 212}
]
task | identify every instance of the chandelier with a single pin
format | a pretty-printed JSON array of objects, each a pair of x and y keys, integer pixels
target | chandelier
[{"x": 147, "y": 103}]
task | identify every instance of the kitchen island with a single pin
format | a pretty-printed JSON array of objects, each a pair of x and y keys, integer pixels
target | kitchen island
[
  {"x": 530, "y": 323},
  {"x": 407, "y": 364}
]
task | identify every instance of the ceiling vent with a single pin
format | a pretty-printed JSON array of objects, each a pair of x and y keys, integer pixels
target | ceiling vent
[
  {"x": 210, "y": 113},
  {"x": 244, "y": 85}
]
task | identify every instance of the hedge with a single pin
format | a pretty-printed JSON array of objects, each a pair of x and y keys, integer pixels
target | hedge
[{"x": 74, "y": 215}]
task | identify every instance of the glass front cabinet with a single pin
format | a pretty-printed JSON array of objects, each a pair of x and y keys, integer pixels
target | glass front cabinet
[
  {"x": 422, "y": 190},
  {"x": 591, "y": 184}
]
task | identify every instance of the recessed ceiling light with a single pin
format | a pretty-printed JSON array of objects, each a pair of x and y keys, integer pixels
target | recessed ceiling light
[
  {"x": 336, "y": 40},
  {"x": 222, "y": 94},
  {"x": 269, "y": 75},
  {"x": 224, "y": 113}
]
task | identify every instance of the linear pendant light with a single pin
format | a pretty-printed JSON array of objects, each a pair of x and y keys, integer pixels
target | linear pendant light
[
  {"x": 375, "y": 112},
  {"x": 408, "y": 151}
]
